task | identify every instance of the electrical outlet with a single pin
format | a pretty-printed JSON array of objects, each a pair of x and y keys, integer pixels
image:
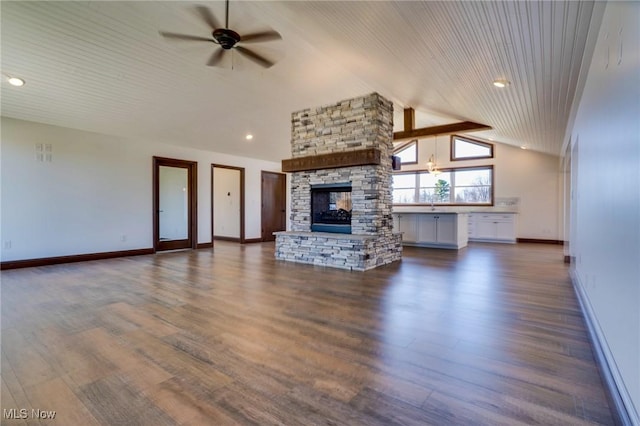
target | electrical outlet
[
  {"x": 7, "y": 245},
  {"x": 123, "y": 238}
]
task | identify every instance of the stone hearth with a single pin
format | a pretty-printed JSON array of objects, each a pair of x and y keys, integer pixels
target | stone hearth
[{"x": 363, "y": 124}]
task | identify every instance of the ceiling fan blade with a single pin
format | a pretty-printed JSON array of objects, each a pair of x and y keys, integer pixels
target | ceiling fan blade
[
  {"x": 261, "y": 36},
  {"x": 254, "y": 56},
  {"x": 184, "y": 37},
  {"x": 215, "y": 58},
  {"x": 208, "y": 17}
]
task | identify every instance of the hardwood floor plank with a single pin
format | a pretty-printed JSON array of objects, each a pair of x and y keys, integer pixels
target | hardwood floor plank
[
  {"x": 140, "y": 319},
  {"x": 186, "y": 407},
  {"x": 114, "y": 402},
  {"x": 9, "y": 403},
  {"x": 175, "y": 361},
  {"x": 55, "y": 395},
  {"x": 387, "y": 410},
  {"x": 29, "y": 367},
  {"x": 491, "y": 334}
]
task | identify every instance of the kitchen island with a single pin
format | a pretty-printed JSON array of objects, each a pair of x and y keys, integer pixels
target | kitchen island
[{"x": 441, "y": 229}]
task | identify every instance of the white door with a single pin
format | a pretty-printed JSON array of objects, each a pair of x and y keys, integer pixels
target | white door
[
  {"x": 226, "y": 203},
  {"x": 173, "y": 203}
]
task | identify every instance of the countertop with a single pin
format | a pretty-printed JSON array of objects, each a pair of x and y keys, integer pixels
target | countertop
[{"x": 451, "y": 210}]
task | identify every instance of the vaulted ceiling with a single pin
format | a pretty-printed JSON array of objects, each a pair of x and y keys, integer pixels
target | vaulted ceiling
[{"x": 103, "y": 67}]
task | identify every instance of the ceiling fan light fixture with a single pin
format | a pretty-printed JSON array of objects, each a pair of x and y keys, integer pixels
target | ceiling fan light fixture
[
  {"x": 501, "y": 83},
  {"x": 225, "y": 37},
  {"x": 15, "y": 81}
]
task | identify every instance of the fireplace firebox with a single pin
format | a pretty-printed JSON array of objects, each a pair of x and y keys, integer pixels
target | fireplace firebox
[{"x": 331, "y": 208}]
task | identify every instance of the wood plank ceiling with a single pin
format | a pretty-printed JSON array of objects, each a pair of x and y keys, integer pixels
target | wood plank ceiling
[{"x": 102, "y": 66}]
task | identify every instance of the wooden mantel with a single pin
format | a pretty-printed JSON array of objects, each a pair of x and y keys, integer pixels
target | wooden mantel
[
  {"x": 360, "y": 157},
  {"x": 446, "y": 129}
]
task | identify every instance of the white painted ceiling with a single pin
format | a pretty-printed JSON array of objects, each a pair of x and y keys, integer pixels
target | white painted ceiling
[{"x": 103, "y": 67}]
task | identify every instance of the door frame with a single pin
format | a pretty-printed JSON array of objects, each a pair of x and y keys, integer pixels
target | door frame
[
  {"x": 192, "y": 204},
  {"x": 262, "y": 196},
  {"x": 242, "y": 236}
]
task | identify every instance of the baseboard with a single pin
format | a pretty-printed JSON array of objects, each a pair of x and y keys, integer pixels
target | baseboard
[
  {"x": 46, "y": 261},
  {"x": 204, "y": 245},
  {"x": 622, "y": 407},
  {"x": 539, "y": 241},
  {"x": 237, "y": 240},
  {"x": 232, "y": 239}
]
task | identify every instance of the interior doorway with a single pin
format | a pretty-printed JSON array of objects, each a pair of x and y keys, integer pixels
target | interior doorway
[
  {"x": 274, "y": 204},
  {"x": 227, "y": 203},
  {"x": 174, "y": 204}
]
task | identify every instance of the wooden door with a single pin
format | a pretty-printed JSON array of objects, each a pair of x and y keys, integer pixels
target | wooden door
[
  {"x": 274, "y": 204},
  {"x": 174, "y": 204}
]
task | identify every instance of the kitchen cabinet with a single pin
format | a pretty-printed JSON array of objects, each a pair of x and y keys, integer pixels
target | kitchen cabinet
[
  {"x": 407, "y": 224},
  {"x": 437, "y": 228},
  {"x": 495, "y": 227},
  {"x": 444, "y": 230}
]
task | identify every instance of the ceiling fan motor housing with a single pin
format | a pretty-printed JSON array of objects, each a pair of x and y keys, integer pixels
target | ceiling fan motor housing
[{"x": 225, "y": 37}]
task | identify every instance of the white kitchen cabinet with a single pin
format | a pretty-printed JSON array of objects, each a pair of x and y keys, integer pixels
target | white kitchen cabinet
[
  {"x": 445, "y": 230},
  {"x": 407, "y": 224},
  {"x": 498, "y": 227},
  {"x": 437, "y": 228}
]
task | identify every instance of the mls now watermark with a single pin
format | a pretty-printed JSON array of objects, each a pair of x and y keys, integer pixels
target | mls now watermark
[{"x": 23, "y": 413}]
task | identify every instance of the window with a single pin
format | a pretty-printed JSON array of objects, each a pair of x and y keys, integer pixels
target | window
[
  {"x": 459, "y": 186},
  {"x": 469, "y": 149},
  {"x": 408, "y": 152}
]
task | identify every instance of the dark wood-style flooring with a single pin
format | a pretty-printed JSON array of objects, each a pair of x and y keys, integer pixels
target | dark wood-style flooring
[{"x": 491, "y": 335}]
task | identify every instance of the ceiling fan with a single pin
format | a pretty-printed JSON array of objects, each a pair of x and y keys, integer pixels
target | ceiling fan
[{"x": 227, "y": 39}]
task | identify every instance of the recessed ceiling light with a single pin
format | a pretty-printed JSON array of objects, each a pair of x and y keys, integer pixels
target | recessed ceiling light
[
  {"x": 501, "y": 83},
  {"x": 249, "y": 136},
  {"x": 523, "y": 147},
  {"x": 15, "y": 81}
]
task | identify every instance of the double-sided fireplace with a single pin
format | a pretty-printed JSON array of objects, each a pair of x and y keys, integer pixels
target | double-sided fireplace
[
  {"x": 331, "y": 208},
  {"x": 340, "y": 184}
]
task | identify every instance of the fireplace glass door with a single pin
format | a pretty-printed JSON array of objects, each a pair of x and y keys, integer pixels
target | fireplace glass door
[{"x": 331, "y": 209}]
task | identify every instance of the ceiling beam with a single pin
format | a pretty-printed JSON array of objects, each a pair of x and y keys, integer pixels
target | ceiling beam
[
  {"x": 409, "y": 119},
  {"x": 446, "y": 129}
]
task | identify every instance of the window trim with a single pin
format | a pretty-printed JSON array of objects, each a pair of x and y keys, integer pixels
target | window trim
[
  {"x": 450, "y": 169},
  {"x": 452, "y": 148},
  {"x": 404, "y": 146}
]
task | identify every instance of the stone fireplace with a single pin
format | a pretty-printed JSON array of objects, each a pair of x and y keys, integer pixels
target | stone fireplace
[{"x": 341, "y": 186}]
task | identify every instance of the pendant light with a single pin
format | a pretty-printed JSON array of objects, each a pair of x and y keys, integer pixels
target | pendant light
[{"x": 432, "y": 167}]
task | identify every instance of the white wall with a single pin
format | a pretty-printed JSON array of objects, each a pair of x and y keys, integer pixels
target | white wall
[
  {"x": 605, "y": 237},
  {"x": 95, "y": 190},
  {"x": 531, "y": 176}
]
